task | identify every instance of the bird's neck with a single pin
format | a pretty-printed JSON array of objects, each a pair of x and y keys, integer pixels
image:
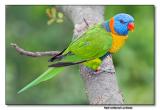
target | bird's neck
[
  {"x": 106, "y": 26},
  {"x": 117, "y": 40},
  {"x": 109, "y": 26}
]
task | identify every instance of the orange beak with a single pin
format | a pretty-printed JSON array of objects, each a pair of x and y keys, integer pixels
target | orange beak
[{"x": 131, "y": 27}]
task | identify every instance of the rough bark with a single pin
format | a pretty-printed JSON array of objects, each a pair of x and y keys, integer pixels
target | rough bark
[{"x": 101, "y": 88}]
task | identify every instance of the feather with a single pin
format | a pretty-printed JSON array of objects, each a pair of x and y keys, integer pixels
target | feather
[
  {"x": 55, "y": 57},
  {"x": 62, "y": 64}
]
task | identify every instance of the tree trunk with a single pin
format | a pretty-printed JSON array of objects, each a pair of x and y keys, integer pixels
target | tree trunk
[{"x": 101, "y": 88}]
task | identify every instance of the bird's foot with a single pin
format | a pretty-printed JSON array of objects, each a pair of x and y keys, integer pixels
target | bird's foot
[
  {"x": 100, "y": 70},
  {"x": 97, "y": 71}
]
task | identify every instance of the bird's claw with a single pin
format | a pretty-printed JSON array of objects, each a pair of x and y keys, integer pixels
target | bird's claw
[
  {"x": 96, "y": 72},
  {"x": 100, "y": 70}
]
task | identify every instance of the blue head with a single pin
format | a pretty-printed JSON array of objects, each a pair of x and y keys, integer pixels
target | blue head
[{"x": 120, "y": 24}]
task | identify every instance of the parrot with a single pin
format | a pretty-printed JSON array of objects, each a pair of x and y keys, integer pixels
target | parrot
[{"x": 91, "y": 47}]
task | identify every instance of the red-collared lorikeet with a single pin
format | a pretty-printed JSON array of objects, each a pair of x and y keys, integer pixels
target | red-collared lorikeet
[{"x": 90, "y": 47}]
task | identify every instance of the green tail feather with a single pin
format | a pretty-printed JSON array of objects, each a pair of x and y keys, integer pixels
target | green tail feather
[{"x": 50, "y": 73}]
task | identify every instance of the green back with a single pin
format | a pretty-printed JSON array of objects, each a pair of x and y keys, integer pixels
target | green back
[{"x": 92, "y": 44}]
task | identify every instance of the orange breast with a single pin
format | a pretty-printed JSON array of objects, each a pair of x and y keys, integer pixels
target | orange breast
[{"x": 117, "y": 42}]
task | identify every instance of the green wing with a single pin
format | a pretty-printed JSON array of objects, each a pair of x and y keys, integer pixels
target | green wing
[{"x": 92, "y": 44}]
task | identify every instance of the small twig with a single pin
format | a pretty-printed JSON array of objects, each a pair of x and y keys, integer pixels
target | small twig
[
  {"x": 86, "y": 22},
  {"x": 33, "y": 54}
]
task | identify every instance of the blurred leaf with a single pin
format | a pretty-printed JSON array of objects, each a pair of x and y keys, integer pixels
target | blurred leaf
[
  {"x": 54, "y": 16},
  {"x": 50, "y": 21},
  {"x": 59, "y": 20},
  {"x": 60, "y": 15}
]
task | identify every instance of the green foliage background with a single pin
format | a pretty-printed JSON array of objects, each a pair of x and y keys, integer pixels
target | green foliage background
[{"x": 27, "y": 26}]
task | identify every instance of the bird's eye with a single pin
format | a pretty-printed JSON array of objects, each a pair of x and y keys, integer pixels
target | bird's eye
[{"x": 121, "y": 21}]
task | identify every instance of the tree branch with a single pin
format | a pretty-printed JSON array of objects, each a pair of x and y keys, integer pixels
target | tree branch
[
  {"x": 102, "y": 88},
  {"x": 33, "y": 54}
]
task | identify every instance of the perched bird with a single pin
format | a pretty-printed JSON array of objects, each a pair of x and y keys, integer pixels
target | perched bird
[{"x": 91, "y": 47}]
